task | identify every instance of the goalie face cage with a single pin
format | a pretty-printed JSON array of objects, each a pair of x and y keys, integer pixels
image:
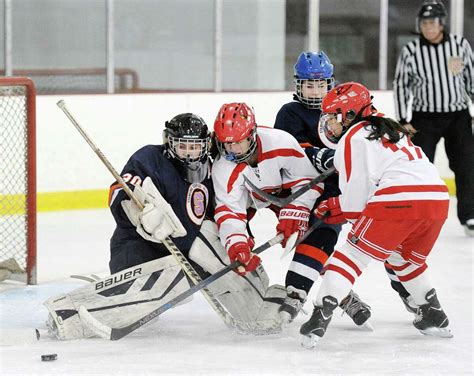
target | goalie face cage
[{"x": 18, "y": 175}]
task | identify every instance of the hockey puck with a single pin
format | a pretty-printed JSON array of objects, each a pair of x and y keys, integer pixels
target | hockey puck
[{"x": 49, "y": 357}]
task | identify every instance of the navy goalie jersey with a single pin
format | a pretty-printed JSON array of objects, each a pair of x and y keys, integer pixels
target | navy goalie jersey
[{"x": 192, "y": 203}]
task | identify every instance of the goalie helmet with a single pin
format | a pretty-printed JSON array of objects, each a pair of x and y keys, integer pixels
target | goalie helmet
[
  {"x": 187, "y": 142},
  {"x": 342, "y": 107},
  {"x": 431, "y": 9},
  {"x": 313, "y": 73},
  {"x": 236, "y": 132}
]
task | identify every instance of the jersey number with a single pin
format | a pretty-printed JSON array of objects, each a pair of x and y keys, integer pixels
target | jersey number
[{"x": 412, "y": 152}]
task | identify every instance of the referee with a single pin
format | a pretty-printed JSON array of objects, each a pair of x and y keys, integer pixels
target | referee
[{"x": 436, "y": 69}]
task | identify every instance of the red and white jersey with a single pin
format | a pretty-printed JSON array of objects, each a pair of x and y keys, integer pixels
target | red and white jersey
[
  {"x": 387, "y": 181},
  {"x": 282, "y": 164}
]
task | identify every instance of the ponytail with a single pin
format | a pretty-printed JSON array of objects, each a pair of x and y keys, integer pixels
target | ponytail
[{"x": 381, "y": 126}]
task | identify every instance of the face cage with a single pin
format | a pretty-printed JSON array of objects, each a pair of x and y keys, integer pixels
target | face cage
[
  {"x": 441, "y": 22},
  {"x": 312, "y": 103},
  {"x": 232, "y": 157},
  {"x": 191, "y": 145},
  {"x": 326, "y": 134}
]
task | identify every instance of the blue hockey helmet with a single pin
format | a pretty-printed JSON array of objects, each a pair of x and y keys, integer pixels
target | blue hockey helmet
[{"x": 314, "y": 77}]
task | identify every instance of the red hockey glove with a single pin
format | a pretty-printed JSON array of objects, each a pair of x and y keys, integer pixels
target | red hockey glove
[
  {"x": 330, "y": 211},
  {"x": 292, "y": 219},
  {"x": 242, "y": 252}
]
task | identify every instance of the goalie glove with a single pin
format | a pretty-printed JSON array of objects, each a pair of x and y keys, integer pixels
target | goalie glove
[{"x": 157, "y": 220}]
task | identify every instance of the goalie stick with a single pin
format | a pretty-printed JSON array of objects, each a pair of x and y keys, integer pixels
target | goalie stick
[
  {"x": 168, "y": 243},
  {"x": 114, "y": 334},
  {"x": 281, "y": 202}
]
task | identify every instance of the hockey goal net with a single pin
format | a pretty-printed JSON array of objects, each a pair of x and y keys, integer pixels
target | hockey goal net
[{"x": 17, "y": 178}]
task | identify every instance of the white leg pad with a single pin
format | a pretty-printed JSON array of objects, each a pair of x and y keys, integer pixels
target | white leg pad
[
  {"x": 117, "y": 300},
  {"x": 248, "y": 299}
]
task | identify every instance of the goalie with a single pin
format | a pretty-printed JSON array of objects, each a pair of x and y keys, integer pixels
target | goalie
[{"x": 173, "y": 183}]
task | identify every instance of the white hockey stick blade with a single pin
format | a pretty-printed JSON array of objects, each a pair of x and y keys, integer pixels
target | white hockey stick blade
[
  {"x": 290, "y": 245},
  {"x": 93, "y": 324},
  {"x": 437, "y": 332},
  {"x": 309, "y": 342}
]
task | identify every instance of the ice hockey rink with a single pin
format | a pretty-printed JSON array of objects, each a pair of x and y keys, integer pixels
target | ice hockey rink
[{"x": 191, "y": 339}]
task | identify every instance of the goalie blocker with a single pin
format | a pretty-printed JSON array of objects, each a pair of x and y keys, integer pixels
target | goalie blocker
[{"x": 124, "y": 297}]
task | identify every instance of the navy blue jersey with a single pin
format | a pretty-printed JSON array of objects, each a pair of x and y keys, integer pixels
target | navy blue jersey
[
  {"x": 302, "y": 123},
  {"x": 190, "y": 202}
]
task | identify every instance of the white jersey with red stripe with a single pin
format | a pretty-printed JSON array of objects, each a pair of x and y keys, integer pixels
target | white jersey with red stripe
[
  {"x": 282, "y": 164},
  {"x": 387, "y": 180}
]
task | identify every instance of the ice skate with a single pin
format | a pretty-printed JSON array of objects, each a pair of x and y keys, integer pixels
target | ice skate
[
  {"x": 313, "y": 330},
  {"x": 292, "y": 305},
  {"x": 357, "y": 310},
  {"x": 469, "y": 227},
  {"x": 430, "y": 318}
]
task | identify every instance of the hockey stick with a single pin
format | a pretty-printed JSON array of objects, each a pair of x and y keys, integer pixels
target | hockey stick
[
  {"x": 114, "y": 334},
  {"x": 168, "y": 243},
  {"x": 281, "y": 202}
]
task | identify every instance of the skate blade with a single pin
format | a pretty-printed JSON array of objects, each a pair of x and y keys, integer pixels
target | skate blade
[
  {"x": 309, "y": 342},
  {"x": 367, "y": 326},
  {"x": 437, "y": 332}
]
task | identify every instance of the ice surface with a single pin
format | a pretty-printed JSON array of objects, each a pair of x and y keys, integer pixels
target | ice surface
[{"x": 191, "y": 339}]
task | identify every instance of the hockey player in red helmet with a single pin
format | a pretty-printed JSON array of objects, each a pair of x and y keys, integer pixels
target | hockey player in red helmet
[
  {"x": 271, "y": 159},
  {"x": 395, "y": 199},
  {"x": 236, "y": 132}
]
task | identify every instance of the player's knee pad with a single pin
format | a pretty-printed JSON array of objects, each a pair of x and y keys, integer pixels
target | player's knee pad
[{"x": 117, "y": 300}]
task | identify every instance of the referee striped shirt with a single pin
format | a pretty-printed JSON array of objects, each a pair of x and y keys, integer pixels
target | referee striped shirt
[{"x": 438, "y": 76}]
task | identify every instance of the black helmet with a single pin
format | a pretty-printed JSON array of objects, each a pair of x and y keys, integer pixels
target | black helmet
[
  {"x": 187, "y": 141},
  {"x": 431, "y": 9}
]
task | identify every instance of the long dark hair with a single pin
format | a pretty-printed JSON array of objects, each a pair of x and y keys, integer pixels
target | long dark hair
[{"x": 381, "y": 126}]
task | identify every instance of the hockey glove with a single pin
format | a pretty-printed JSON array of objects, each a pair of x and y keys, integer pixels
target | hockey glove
[
  {"x": 157, "y": 220},
  {"x": 330, "y": 211},
  {"x": 323, "y": 159},
  {"x": 292, "y": 219},
  {"x": 242, "y": 252}
]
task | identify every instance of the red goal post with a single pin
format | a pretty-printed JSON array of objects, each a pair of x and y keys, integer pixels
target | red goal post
[{"x": 18, "y": 175}]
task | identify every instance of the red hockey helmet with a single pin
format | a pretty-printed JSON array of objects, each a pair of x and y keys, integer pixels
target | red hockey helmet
[
  {"x": 235, "y": 123},
  {"x": 347, "y": 104}
]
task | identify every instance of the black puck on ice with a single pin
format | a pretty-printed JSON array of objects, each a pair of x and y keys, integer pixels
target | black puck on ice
[{"x": 49, "y": 357}]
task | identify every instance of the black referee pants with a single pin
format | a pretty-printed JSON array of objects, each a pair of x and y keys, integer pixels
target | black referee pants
[{"x": 456, "y": 129}]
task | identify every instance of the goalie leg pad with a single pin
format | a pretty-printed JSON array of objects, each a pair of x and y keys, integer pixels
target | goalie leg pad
[
  {"x": 117, "y": 300},
  {"x": 248, "y": 299}
]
